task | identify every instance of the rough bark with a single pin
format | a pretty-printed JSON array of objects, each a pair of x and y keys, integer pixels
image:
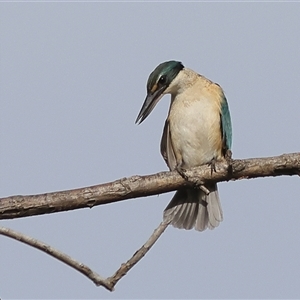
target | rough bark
[{"x": 141, "y": 186}]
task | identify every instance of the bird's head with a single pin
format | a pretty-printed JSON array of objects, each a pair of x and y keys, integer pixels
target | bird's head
[{"x": 158, "y": 81}]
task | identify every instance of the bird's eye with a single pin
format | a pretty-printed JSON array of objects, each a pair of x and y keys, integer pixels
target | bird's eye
[{"x": 162, "y": 80}]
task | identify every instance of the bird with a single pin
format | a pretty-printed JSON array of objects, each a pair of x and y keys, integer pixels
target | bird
[{"x": 197, "y": 132}]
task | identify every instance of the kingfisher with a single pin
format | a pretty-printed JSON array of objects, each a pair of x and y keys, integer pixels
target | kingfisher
[{"x": 197, "y": 131}]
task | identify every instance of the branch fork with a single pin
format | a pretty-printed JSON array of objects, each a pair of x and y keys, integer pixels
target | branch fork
[{"x": 134, "y": 187}]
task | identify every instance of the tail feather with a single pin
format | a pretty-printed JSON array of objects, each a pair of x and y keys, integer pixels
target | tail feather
[
  {"x": 202, "y": 218},
  {"x": 193, "y": 208},
  {"x": 186, "y": 216},
  {"x": 214, "y": 210}
]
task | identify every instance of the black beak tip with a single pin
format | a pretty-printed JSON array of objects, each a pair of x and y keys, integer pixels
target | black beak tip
[{"x": 139, "y": 120}]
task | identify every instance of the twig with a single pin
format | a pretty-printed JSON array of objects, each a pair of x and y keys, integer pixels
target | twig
[
  {"x": 110, "y": 282},
  {"x": 139, "y": 254},
  {"x": 80, "y": 267},
  {"x": 135, "y": 186}
]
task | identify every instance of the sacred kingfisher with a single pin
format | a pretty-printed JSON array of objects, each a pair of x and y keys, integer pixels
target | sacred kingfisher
[{"x": 197, "y": 131}]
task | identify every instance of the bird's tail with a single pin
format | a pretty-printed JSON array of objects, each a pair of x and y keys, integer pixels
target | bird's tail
[{"x": 191, "y": 207}]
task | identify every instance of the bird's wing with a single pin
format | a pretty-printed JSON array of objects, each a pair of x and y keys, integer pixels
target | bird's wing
[
  {"x": 166, "y": 149},
  {"x": 226, "y": 124}
]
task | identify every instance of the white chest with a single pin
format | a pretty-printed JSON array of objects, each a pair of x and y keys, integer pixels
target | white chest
[{"x": 195, "y": 130}]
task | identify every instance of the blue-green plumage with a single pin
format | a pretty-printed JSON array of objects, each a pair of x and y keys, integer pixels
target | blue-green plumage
[{"x": 226, "y": 124}]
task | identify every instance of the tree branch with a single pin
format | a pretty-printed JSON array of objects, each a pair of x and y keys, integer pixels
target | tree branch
[
  {"x": 110, "y": 282},
  {"x": 141, "y": 186},
  {"x": 85, "y": 270},
  {"x": 133, "y": 187}
]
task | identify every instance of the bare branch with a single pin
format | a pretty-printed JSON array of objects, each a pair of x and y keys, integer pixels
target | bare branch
[
  {"x": 141, "y": 186},
  {"x": 139, "y": 254},
  {"x": 85, "y": 270},
  {"x": 133, "y": 187},
  {"x": 110, "y": 282}
]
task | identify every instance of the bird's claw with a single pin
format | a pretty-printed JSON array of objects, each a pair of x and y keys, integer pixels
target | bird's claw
[
  {"x": 212, "y": 165},
  {"x": 228, "y": 158},
  {"x": 198, "y": 183},
  {"x": 182, "y": 172},
  {"x": 228, "y": 155}
]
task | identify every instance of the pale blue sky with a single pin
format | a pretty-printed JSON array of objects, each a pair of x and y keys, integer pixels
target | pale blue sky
[{"x": 72, "y": 82}]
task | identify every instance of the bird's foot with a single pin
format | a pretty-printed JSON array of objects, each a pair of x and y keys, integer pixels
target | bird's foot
[
  {"x": 212, "y": 165},
  {"x": 196, "y": 182},
  {"x": 228, "y": 158},
  {"x": 182, "y": 172},
  {"x": 228, "y": 155}
]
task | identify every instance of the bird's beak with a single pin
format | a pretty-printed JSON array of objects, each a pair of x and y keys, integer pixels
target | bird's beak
[{"x": 148, "y": 105}]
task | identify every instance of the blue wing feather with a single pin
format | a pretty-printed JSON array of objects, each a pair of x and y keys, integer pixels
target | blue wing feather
[{"x": 226, "y": 124}]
